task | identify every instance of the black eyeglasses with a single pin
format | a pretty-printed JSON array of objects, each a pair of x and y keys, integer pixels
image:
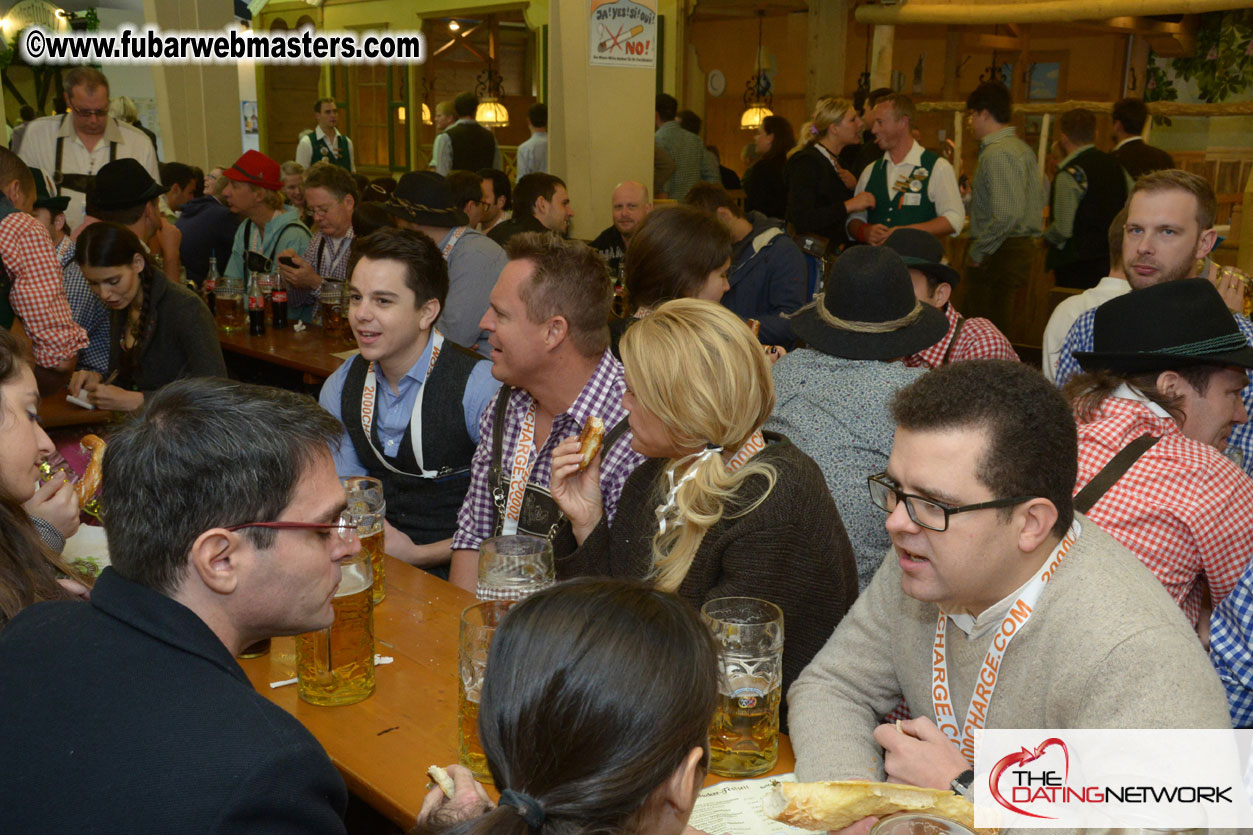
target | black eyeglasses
[
  {"x": 926, "y": 513},
  {"x": 345, "y": 527},
  {"x": 90, "y": 114}
]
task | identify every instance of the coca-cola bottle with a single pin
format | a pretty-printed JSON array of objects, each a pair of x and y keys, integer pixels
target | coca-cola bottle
[
  {"x": 278, "y": 304},
  {"x": 256, "y": 306},
  {"x": 211, "y": 285}
]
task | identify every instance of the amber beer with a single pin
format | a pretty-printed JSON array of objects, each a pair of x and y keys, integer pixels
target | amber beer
[
  {"x": 478, "y": 626},
  {"x": 744, "y": 733},
  {"x": 230, "y": 311},
  {"x": 744, "y": 736},
  {"x": 335, "y": 666},
  {"x": 372, "y": 544}
]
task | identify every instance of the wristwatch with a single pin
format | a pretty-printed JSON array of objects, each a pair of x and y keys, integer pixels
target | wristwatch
[{"x": 962, "y": 783}]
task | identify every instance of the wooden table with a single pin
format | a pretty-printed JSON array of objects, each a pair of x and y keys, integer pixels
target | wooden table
[
  {"x": 308, "y": 351},
  {"x": 55, "y": 410},
  {"x": 383, "y": 745}
]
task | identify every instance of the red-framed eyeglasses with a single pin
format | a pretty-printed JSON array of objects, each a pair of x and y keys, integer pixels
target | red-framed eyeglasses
[{"x": 345, "y": 527}]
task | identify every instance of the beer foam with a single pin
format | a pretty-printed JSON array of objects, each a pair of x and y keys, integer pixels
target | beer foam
[{"x": 353, "y": 579}]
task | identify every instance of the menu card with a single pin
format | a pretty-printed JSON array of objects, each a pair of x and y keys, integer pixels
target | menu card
[{"x": 734, "y": 808}]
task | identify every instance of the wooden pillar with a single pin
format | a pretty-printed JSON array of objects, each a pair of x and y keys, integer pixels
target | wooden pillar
[
  {"x": 600, "y": 119},
  {"x": 198, "y": 104},
  {"x": 881, "y": 56},
  {"x": 827, "y": 41},
  {"x": 952, "y": 60}
]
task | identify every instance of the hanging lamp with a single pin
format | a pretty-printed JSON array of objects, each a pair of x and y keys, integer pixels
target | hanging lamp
[{"x": 756, "y": 94}]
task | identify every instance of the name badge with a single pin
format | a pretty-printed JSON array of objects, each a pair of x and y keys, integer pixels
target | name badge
[{"x": 911, "y": 199}]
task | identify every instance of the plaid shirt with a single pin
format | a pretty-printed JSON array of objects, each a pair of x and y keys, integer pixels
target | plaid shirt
[
  {"x": 1183, "y": 508},
  {"x": 1007, "y": 195},
  {"x": 333, "y": 265},
  {"x": 979, "y": 340},
  {"x": 1231, "y": 649},
  {"x": 88, "y": 310},
  {"x": 601, "y": 396},
  {"x": 1080, "y": 339},
  {"x": 37, "y": 295}
]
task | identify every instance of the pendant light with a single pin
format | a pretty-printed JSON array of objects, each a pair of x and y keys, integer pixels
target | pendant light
[{"x": 756, "y": 94}]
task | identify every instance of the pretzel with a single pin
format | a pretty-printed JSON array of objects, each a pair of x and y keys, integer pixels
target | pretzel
[
  {"x": 590, "y": 440},
  {"x": 90, "y": 482}
]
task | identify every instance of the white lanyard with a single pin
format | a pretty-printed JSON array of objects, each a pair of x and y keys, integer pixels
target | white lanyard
[
  {"x": 337, "y": 253},
  {"x": 981, "y": 697},
  {"x": 520, "y": 465},
  {"x": 452, "y": 242},
  {"x": 755, "y": 444},
  {"x": 369, "y": 394}
]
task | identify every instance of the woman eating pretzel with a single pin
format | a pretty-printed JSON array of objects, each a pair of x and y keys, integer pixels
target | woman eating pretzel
[{"x": 721, "y": 509}]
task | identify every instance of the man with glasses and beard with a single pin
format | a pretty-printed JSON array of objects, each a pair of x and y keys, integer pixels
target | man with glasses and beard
[{"x": 222, "y": 532}]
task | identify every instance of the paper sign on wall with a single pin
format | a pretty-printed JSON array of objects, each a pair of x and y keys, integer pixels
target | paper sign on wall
[{"x": 623, "y": 33}]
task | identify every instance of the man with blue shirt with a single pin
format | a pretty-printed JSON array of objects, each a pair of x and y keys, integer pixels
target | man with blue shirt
[{"x": 410, "y": 402}]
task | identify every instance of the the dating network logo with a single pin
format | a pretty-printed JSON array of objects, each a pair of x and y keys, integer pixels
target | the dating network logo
[{"x": 1046, "y": 780}]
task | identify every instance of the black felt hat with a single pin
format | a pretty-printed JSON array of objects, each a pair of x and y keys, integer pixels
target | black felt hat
[
  {"x": 922, "y": 251},
  {"x": 122, "y": 184},
  {"x": 423, "y": 197},
  {"x": 868, "y": 311},
  {"x": 1165, "y": 326}
]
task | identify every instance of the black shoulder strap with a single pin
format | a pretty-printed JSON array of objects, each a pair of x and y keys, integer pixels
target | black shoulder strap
[
  {"x": 498, "y": 443},
  {"x": 56, "y": 166},
  {"x": 957, "y": 331},
  {"x": 247, "y": 236},
  {"x": 613, "y": 435},
  {"x": 1092, "y": 492}
]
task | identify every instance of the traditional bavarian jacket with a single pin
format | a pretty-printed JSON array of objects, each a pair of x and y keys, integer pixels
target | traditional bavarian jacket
[
  {"x": 919, "y": 188},
  {"x": 316, "y": 146}
]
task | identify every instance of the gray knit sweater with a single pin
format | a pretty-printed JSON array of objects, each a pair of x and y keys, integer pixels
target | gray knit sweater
[{"x": 1105, "y": 648}]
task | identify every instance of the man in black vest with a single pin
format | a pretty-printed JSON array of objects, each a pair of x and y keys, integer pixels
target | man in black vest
[
  {"x": 1089, "y": 189},
  {"x": 1136, "y": 156},
  {"x": 465, "y": 145},
  {"x": 410, "y": 402}
]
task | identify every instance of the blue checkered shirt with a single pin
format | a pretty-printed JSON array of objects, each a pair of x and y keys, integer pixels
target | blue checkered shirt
[
  {"x": 1080, "y": 339},
  {"x": 87, "y": 309},
  {"x": 1231, "y": 649}
]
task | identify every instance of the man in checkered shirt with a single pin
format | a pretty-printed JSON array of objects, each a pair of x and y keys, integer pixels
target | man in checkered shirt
[
  {"x": 966, "y": 339},
  {"x": 30, "y": 288},
  {"x": 1169, "y": 362},
  {"x": 1168, "y": 236},
  {"x": 550, "y": 347}
]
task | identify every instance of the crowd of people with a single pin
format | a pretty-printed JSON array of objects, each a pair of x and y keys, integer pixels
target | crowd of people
[{"x": 882, "y": 467}]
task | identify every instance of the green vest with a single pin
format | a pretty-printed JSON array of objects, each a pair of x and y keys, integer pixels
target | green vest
[
  {"x": 893, "y": 212},
  {"x": 321, "y": 152}
]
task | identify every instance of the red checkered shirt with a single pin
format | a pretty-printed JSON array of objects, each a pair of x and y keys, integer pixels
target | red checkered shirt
[
  {"x": 1183, "y": 508},
  {"x": 37, "y": 296},
  {"x": 979, "y": 340}
]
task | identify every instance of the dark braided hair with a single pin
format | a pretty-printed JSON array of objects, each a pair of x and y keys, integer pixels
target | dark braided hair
[{"x": 114, "y": 245}]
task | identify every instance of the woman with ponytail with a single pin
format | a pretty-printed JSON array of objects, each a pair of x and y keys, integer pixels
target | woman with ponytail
[
  {"x": 159, "y": 331},
  {"x": 594, "y": 718},
  {"x": 721, "y": 509},
  {"x": 820, "y": 191},
  {"x": 28, "y": 570}
]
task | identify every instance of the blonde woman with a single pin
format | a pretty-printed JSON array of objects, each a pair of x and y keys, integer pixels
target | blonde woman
[
  {"x": 819, "y": 191},
  {"x": 721, "y": 509}
]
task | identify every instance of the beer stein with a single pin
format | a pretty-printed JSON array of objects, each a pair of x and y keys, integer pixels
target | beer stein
[
  {"x": 916, "y": 823},
  {"x": 330, "y": 299},
  {"x": 335, "y": 666},
  {"x": 514, "y": 567},
  {"x": 366, "y": 505},
  {"x": 744, "y": 735},
  {"x": 228, "y": 304},
  {"x": 478, "y": 626}
]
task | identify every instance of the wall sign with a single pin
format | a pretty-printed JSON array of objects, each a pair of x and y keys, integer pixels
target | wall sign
[{"x": 623, "y": 33}]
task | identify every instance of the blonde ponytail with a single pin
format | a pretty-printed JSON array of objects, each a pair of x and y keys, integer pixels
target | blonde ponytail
[{"x": 827, "y": 112}]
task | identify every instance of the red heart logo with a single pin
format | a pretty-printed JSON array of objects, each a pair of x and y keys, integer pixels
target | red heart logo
[{"x": 1026, "y": 755}]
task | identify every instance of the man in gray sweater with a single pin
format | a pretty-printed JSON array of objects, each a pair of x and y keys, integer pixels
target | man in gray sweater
[{"x": 992, "y": 577}]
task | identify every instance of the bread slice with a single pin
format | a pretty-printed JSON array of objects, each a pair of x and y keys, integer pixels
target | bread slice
[{"x": 837, "y": 804}]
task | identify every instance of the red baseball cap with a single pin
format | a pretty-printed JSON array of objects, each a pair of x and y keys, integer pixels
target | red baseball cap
[{"x": 255, "y": 168}]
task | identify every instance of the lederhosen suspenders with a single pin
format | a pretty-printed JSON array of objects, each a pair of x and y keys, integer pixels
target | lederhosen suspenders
[
  {"x": 498, "y": 479},
  {"x": 1092, "y": 492},
  {"x": 957, "y": 331},
  {"x": 77, "y": 182}
]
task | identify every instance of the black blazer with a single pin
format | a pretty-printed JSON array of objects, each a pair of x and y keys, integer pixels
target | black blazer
[
  {"x": 127, "y": 714},
  {"x": 765, "y": 190},
  {"x": 815, "y": 196},
  {"x": 181, "y": 340},
  {"x": 1139, "y": 157}
]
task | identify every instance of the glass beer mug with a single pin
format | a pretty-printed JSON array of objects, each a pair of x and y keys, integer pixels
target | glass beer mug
[
  {"x": 368, "y": 509},
  {"x": 478, "y": 627},
  {"x": 514, "y": 567},
  {"x": 744, "y": 734},
  {"x": 335, "y": 666}
]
